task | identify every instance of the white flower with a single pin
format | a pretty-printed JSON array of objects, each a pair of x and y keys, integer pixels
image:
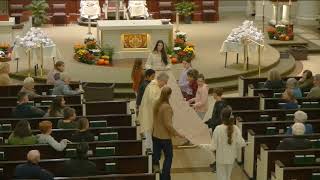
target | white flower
[
  {"x": 181, "y": 33},
  {"x": 177, "y": 48}
]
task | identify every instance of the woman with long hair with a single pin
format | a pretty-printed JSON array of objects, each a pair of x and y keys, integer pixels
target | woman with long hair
[
  {"x": 226, "y": 141},
  {"x": 22, "y": 134},
  {"x": 136, "y": 75},
  {"x": 4, "y": 74},
  {"x": 56, "y": 107},
  {"x": 163, "y": 132},
  {"x": 158, "y": 58}
]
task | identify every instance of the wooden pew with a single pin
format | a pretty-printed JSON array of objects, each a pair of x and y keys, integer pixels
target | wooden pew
[
  {"x": 107, "y": 107},
  {"x": 136, "y": 176},
  {"x": 273, "y": 103},
  {"x": 12, "y": 90},
  {"x": 253, "y": 148},
  {"x": 124, "y": 165},
  {"x": 268, "y": 156},
  {"x": 260, "y": 128},
  {"x": 276, "y": 114},
  {"x": 7, "y": 112},
  {"x": 285, "y": 172},
  {"x": 124, "y": 132},
  {"x": 244, "y": 82},
  {"x": 267, "y": 93},
  {"x": 122, "y": 148},
  {"x": 243, "y": 103},
  {"x": 12, "y": 100},
  {"x": 111, "y": 119}
]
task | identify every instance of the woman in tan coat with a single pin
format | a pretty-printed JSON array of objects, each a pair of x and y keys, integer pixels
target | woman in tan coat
[
  {"x": 163, "y": 132},
  {"x": 4, "y": 74}
]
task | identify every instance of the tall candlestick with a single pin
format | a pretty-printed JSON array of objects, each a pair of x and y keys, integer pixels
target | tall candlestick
[
  {"x": 290, "y": 2},
  {"x": 177, "y": 21},
  {"x": 262, "y": 2}
]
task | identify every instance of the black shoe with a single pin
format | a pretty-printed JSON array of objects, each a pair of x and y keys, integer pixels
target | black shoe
[{"x": 213, "y": 167}]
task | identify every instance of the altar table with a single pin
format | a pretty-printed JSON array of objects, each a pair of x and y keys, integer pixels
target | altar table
[{"x": 133, "y": 38}]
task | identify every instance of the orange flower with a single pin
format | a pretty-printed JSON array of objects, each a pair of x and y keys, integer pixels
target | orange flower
[{"x": 189, "y": 44}]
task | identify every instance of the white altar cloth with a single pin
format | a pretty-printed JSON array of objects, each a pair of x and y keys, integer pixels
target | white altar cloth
[
  {"x": 138, "y": 8},
  {"x": 49, "y": 52}
]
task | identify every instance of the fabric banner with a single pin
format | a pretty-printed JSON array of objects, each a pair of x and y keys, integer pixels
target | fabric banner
[{"x": 185, "y": 120}]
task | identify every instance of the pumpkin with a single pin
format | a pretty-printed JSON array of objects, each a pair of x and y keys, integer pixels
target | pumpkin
[
  {"x": 100, "y": 62},
  {"x": 174, "y": 60},
  {"x": 106, "y": 62}
]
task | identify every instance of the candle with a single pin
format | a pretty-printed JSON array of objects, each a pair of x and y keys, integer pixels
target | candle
[
  {"x": 290, "y": 3},
  {"x": 262, "y": 2}
]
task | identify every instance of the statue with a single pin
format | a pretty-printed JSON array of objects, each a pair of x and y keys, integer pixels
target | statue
[{"x": 90, "y": 9}]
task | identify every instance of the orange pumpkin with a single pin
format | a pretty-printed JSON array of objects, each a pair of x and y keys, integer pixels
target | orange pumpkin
[
  {"x": 106, "y": 62},
  {"x": 100, "y": 62},
  {"x": 174, "y": 60}
]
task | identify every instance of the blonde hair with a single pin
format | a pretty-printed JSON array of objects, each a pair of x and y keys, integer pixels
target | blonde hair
[
  {"x": 274, "y": 75},
  {"x": 3, "y": 67},
  {"x": 291, "y": 83},
  {"x": 28, "y": 80}
]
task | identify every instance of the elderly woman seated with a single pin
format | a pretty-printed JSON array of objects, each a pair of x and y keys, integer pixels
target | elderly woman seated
[
  {"x": 28, "y": 87},
  {"x": 290, "y": 102},
  {"x": 295, "y": 142},
  {"x": 301, "y": 117},
  {"x": 292, "y": 84}
]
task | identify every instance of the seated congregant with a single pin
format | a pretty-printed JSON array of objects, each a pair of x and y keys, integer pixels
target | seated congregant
[
  {"x": 295, "y": 142},
  {"x": 68, "y": 121},
  {"x": 305, "y": 83},
  {"x": 26, "y": 110},
  {"x": 83, "y": 134},
  {"x": 301, "y": 117},
  {"x": 183, "y": 80},
  {"x": 28, "y": 87},
  {"x": 274, "y": 80},
  {"x": 192, "y": 77},
  {"x": 22, "y": 134},
  {"x": 46, "y": 138},
  {"x": 290, "y": 102},
  {"x": 80, "y": 165},
  {"x": 4, "y": 74},
  {"x": 315, "y": 91},
  {"x": 292, "y": 84},
  {"x": 58, "y": 68},
  {"x": 56, "y": 107},
  {"x": 31, "y": 169},
  {"x": 62, "y": 86}
]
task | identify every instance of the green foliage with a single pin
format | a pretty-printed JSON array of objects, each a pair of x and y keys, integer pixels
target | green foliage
[
  {"x": 185, "y": 8},
  {"x": 39, "y": 11},
  {"x": 169, "y": 50},
  {"x": 108, "y": 51}
]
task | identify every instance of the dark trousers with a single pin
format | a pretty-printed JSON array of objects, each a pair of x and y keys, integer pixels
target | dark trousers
[{"x": 164, "y": 145}]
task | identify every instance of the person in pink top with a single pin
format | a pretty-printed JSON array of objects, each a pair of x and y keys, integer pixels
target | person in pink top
[{"x": 200, "y": 102}]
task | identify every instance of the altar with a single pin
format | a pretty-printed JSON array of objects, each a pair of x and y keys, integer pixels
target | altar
[{"x": 134, "y": 38}]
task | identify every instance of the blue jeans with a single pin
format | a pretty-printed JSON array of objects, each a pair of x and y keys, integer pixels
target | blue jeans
[{"x": 164, "y": 145}]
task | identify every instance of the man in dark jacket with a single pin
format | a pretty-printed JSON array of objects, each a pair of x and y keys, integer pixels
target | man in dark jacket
[
  {"x": 148, "y": 77},
  {"x": 295, "y": 143},
  {"x": 31, "y": 170},
  {"x": 80, "y": 166},
  {"x": 215, "y": 119},
  {"x": 24, "y": 109}
]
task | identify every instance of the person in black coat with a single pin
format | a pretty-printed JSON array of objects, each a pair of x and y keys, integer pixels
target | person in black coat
[
  {"x": 274, "y": 81},
  {"x": 31, "y": 169},
  {"x": 25, "y": 109},
  {"x": 215, "y": 119},
  {"x": 84, "y": 134},
  {"x": 148, "y": 77},
  {"x": 295, "y": 143},
  {"x": 80, "y": 165}
]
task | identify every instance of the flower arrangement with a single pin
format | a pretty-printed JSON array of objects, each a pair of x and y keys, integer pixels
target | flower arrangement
[
  {"x": 182, "y": 50},
  {"x": 91, "y": 53},
  {"x": 280, "y": 32},
  {"x": 34, "y": 38},
  {"x": 5, "y": 54}
]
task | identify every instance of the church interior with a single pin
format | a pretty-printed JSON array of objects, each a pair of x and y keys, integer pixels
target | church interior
[{"x": 260, "y": 58}]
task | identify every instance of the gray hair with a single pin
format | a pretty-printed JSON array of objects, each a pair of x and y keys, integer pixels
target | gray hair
[
  {"x": 28, "y": 80},
  {"x": 316, "y": 77},
  {"x": 300, "y": 117},
  {"x": 298, "y": 129},
  {"x": 291, "y": 83},
  {"x": 163, "y": 76}
]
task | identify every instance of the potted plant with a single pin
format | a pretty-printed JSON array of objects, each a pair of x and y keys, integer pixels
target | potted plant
[
  {"x": 39, "y": 11},
  {"x": 186, "y": 8}
]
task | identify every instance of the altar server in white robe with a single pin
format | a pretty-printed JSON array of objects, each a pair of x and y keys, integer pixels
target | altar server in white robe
[
  {"x": 226, "y": 141},
  {"x": 150, "y": 96}
]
